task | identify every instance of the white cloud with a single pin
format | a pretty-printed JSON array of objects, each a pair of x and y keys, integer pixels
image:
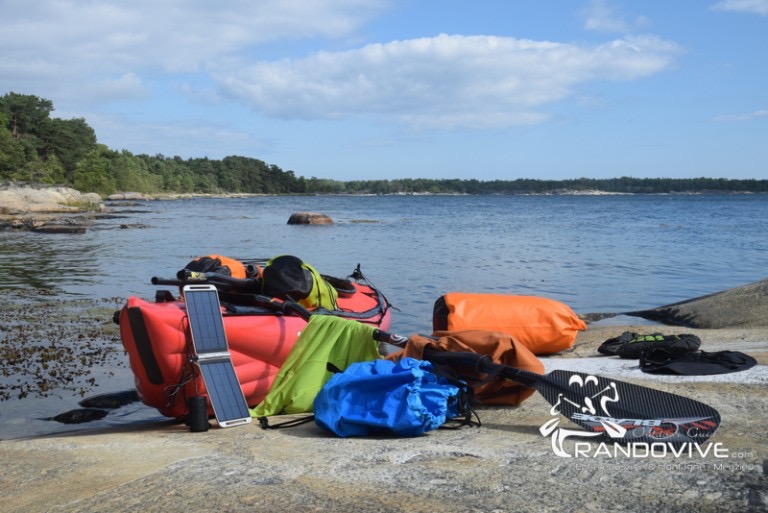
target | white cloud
[
  {"x": 449, "y": 81},
  {"x": 603, "y": 16},
  {"x": 125, "y": 87},
  {"x": 70, "y": 42},
  {"x": 743, "y": 117},
  {"x": 748, "y": 6},
  {"x": 82, "y": 55},
  {"x": 179, "y": 137}
]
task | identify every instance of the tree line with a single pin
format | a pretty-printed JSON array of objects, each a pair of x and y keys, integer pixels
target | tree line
[{"x": 40, "y": 149}]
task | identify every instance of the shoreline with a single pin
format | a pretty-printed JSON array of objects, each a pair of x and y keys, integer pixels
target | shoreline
[
  {"x": 62, "y": 210},
  {"x": 58, "y": 209}
]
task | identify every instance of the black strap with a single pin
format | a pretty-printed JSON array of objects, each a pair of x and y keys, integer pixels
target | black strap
[
  {"x": 264, "y": 422},
  {"x": 330, "y": 367},
  {"x": 468, "y": 416}
]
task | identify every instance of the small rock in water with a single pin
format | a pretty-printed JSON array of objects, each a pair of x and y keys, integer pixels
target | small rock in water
[
  {"x": 309, "y": 218},
  {"x": 59, "y": 228},
  {"x": 80, "y": 415}
]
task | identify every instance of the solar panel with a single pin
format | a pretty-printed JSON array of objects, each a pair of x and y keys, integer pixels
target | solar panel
[{"x": 210, "y": 342}]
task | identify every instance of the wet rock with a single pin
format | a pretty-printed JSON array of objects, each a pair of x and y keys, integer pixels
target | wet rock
[
  {"x": 80, "y": 415},
  {"x": 53, "y": 346},
  {"x": 59, "y": 228},
  {"x": 110, "y": 400},
  {"x": 126, "y": 226},
  {"x": 309, "y": 218}
]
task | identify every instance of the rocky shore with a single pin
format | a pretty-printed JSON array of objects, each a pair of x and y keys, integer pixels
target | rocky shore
[
  {"x": 47, "y": 209},
  {"x": 65, "y": 210},
  {"x": 505, "y": 465}
]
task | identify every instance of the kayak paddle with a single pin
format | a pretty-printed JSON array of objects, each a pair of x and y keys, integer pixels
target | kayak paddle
[{"x": 624, "y": 412}]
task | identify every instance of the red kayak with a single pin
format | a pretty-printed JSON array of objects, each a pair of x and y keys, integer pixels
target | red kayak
[{"x": 259, "y": 332}]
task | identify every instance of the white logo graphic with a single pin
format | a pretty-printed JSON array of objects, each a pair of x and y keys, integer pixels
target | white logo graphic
[
  {"x": 609, "y": 394},
  {"x": 639, "y": 437}
]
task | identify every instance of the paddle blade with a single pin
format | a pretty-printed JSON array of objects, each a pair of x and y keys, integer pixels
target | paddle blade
[{"x": 627, "y": 413}]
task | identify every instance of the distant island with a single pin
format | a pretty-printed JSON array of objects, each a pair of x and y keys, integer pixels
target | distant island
[{"x": 38, "y": 149}]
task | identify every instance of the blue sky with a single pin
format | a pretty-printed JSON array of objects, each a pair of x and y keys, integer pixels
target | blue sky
[{"x": 375, "y": 89}]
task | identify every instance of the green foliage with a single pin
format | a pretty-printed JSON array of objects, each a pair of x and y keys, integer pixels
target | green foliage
[
  {"x": 69, "y": 140},
  {"x": 91, "y": 174},
  {"x": 37, "y": 148},
  {"x": 12, "y": 156},
  {"x": 45, "y": 171},
  {"x": 623, "y": 185},
  {"x": 27, "y": 114},
  {"x": 131, "y": 173}
]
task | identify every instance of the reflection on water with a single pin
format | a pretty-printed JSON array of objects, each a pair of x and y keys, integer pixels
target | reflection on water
[
  {"x": 46, "y": 261},
  {"x": 33, "y": 416}
]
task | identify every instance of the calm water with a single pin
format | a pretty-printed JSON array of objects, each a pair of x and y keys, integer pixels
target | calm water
[{"x": 595, "y": 253}]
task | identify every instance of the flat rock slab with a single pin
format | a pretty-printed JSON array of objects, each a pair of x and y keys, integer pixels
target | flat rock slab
[
  {"x": 503, "y": 466},
  {"x": 741, "y": 306},
  {"x": 129, "y": 196},
  {"x": 745, "y": 306},
  {"x": 25, "y": 199},
  {"x": 46, "y": 209}
]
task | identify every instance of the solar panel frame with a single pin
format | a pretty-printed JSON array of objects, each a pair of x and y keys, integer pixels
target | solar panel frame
[{"x": 209, "y": 341}]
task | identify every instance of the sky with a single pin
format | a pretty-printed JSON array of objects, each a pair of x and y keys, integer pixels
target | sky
[{"x": 387, "y": 89}]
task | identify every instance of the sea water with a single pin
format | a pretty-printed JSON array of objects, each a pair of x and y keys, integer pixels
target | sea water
[
  {"x": 596, "y": 253},
  {"x": 610, "y": 253}
]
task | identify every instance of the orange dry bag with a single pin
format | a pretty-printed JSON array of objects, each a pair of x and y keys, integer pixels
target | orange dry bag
[
  {"x": 501, "y": 348},
  {"x": 543, "y": 325}
]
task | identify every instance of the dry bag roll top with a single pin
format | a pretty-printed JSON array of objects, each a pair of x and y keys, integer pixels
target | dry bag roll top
[
  {"x": 218, "y": 264},
  {"x": 543, "y": 325}
]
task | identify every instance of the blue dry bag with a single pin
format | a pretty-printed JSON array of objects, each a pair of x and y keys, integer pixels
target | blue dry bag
[{"x": 383, "y": 397}]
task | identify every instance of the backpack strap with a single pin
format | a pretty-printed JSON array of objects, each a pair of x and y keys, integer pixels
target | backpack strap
[
  {"x": 264, "y": 422},
  {"x": 466, "y": 399}
]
